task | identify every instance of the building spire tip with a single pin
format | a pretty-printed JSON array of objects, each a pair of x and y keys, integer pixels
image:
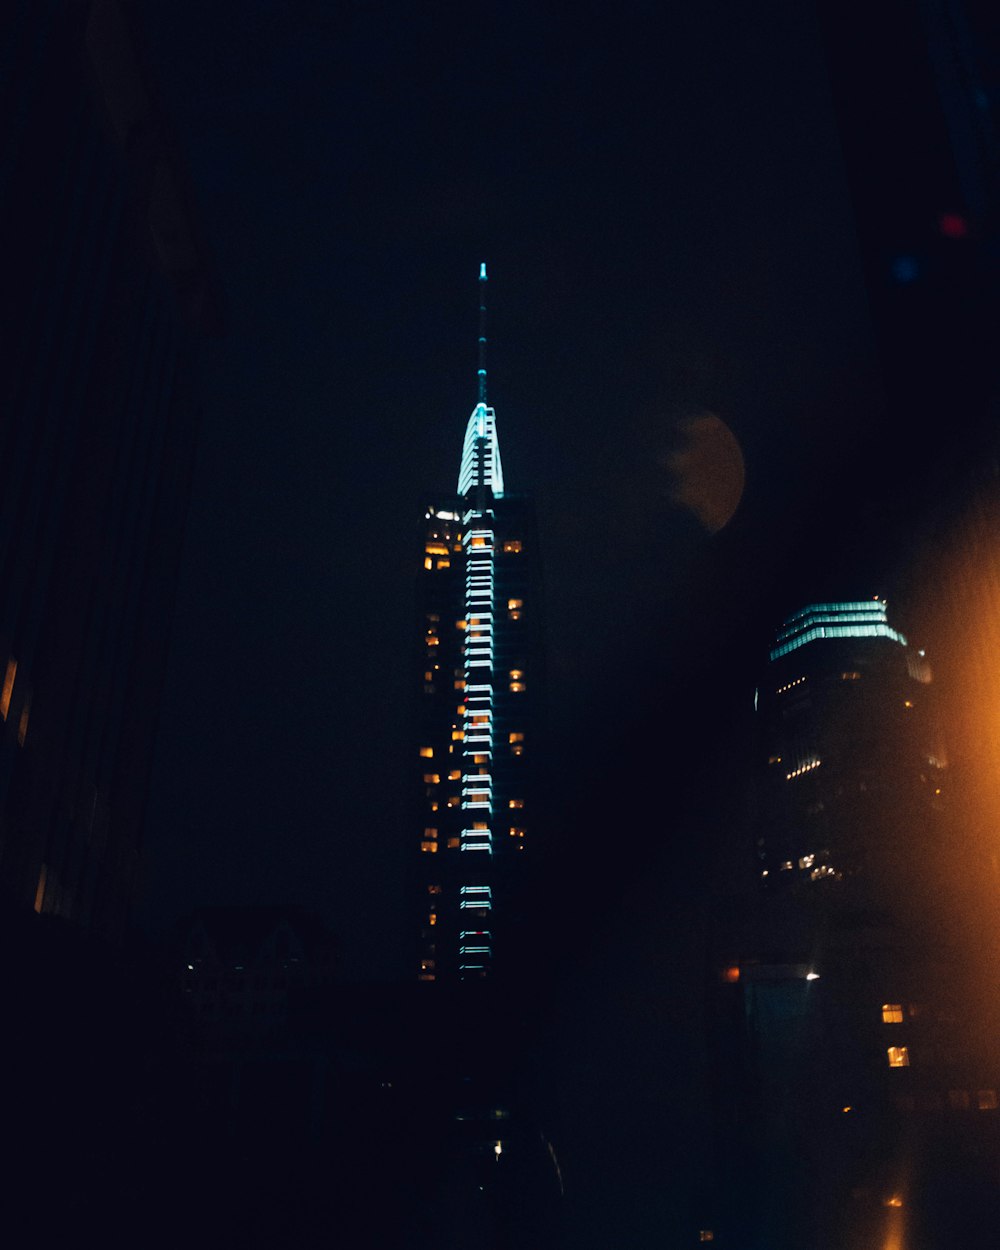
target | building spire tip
[{"x": 482, "y": 271}]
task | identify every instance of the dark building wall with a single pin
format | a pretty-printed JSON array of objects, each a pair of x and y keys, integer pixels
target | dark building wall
[{"x": 106, "y": 295}]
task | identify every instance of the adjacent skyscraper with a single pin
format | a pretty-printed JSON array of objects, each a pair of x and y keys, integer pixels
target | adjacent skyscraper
[{"x": 479, "y": 668}]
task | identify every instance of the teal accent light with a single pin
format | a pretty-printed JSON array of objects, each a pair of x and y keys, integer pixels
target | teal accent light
[{"x": 863, "y": 618}]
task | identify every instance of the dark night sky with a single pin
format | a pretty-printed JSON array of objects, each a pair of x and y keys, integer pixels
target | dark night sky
[{"x": 659, "y": 196}]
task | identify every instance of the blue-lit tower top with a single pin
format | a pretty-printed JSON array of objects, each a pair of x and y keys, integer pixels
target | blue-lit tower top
[{"x": 481, "y": 467}]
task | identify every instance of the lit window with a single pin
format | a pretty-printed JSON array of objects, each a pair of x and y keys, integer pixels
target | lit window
[
  {"x": 427, "y": 753},
  {"x": 517, "y": 687},
  {"x": 429, "y": 846},
  {"x": 987, "y": 1099},
  {"x": 433, "y": 889},
  {"x": 8, "y": 687},
  {"x": 899, "y": 1056},
  {"x": 892, "y": 1013},
  {"x": 428, "y": 562},
  {"x": 435, "y": 805},
  {"x": 428, "y": 676},
  {"x": 457, "y": 735},
  {"x": 479, "y": 759},
  {"x": 515, "y": 603},
  {"x": 512, "y": 544},
  {"x": 480, "y": 824},
  {"x": 515, "y": 803},
  {"x": 731, "y": 974},
  {"x": 516, "y": 674},
  {"x": 430, "y": 833},
  {"x": 436, "y": 549},
  {"x": 442, "y": 564},
  {"x": 706, "y": 1234},
  {"x": 432, "y": 918},
  {"x": 517, "y": 750},
  {"x": 453, "y": 800},
  {"x": 432, "y": 779},
  {"x": 460, "y": 624},
  {"x": 427, "y": 964},
  {"x": 480, "y": 541},
  {"x": 516, "y": 832},
  {"x": 850, "y": 676},
  {"x": 460, "y": 685},
  {"x": 455, "y": 774},
  {"x": 453, "y": 842},
  {"x": 515, "y": 737},
  {"x": 433, "y": 642}
]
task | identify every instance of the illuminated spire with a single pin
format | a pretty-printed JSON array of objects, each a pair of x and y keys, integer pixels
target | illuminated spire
[
  {"x": 482, "y": 333},
  {"x": 481, "y": 468}
]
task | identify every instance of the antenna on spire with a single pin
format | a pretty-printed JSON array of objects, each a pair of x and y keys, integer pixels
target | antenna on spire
[{"x": 482, "y": 333}]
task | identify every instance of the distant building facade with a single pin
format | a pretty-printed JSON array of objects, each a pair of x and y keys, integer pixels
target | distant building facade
[
  {"x": 479, "y": 664},
  {"x": 106, "y": 295}
]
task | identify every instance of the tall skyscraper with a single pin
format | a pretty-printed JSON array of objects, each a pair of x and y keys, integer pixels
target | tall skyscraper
[
  {"x": 858, "y": 1083},
  {"x": 479, "y": 668}
]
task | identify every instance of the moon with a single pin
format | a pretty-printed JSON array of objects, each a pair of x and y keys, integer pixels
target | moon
[{"x": 707, "y": 470}]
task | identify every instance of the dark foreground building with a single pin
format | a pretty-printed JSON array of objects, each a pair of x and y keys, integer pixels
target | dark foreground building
[
  {"x": 106, "y": 294},
  {"x": 859, "y": 1084},
  {"x": 480, "y": 668}
]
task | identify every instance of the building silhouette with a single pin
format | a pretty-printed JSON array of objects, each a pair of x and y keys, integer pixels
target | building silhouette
[
  {"x": 479, "y": 665},
  {"x": 107, "y": 293},
  {"x": 858, "y": 1083}
]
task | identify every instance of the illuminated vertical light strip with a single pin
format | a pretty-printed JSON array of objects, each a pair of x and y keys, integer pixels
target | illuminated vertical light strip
[{"x": 480, "y": 480}]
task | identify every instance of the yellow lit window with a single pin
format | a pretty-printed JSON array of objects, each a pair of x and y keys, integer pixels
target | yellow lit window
[
  {"x": 433, "y": 642},
  {"x": 427, "y": 964},
  {"x": 460, "y": 684},
  {"x": 429, "y": 846},
  {"x": 454, "y": 801},
  {"x": 442, "y": 564},
  {"x": 899, "y": 1056},
  {"x": 436, "y": 549},
  {"x": 430, "y": 833},
  {"x": 517, "y": 750},
  {"x": 432, "y": 779},
  {"x": 516, "y": 832},
  {"x": 892, "y": 1013},
  {"x": 512, "y": 544},
  {"x": 515, "y": 803},
  {"x": 428, "y": 562},
  {"x": 457, "y": 735},
  {"x": 435, "y": 805},
  {"x": 478, "y": 541},
  {"x": 461, "y": 624},
  {"x": 8, "y": 687},
  {"x": 480, "y": 824},
  {"x": 515, "y": 603},
  {"x": 731, "y": 974},
  {"x": 455, "y": 774},
  {"x": 460, "y": 710},
  {"x": 516, "y": 674},
  {"x": 432, "y": 918},
  {"x": 986, "y": 1099},
  {"x": 515, "y": 737},
  {"x": 428, "y": 676},
  {"x": 518, "y": 687},
  {"x": 453, "y": 842},
  {"x": 850, "y": 676},
  {"x": 427, "y": 753},
  {"x": 479, "y": 759}
]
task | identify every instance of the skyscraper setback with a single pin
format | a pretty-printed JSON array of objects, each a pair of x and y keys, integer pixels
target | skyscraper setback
[{"x": 479, "y": 665}]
